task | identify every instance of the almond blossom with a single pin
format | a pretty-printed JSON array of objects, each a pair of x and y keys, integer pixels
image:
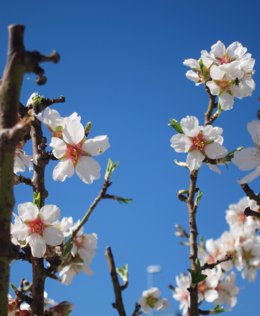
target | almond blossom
[
  {"x": 207, "y": 289},
  {"x": 38, "y": 228},
  {"x": 199, "y": 142},
  {"x": 181, "y": 292},
  {"x": 70, "y": 270},
  {"x": 249, "y": 158},
  {"x": 21, "y": 161},
  {"x": 75, "y": 152},
  {"x": 151, "y": 300},
  {"x": 240, "y": 223}
]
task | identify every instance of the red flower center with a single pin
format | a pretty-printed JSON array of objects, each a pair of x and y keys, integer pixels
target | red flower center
[
  {"x": 36, "y": 226},
  {"x": 74, "y": 152},
  {"x": 198, "y": 142}
]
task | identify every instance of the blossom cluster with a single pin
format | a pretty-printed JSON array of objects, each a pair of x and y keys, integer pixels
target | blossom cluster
[
  {"x": 225, "y": 71},
  {"x": 242, "y": 243},
  {"x": 151, "y": 300},
  {"x": 42, "y": 231}
]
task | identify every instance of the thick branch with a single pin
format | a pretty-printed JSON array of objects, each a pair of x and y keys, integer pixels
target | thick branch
[
  {"x": 250, "y": 193},
  {"x": 192, "y": 207},
  {"x": 119, "y": 305},
  {"x": 249, "y": 212}
]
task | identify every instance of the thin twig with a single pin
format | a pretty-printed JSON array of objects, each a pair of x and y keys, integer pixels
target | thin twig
[
  {"x": 249, "y": 212},
  {"x": 250, "y": 193},
  {"x": 118, "y": 305},
  {"x": 21, "y": 179},
  {"x": 219, "y": 261}
]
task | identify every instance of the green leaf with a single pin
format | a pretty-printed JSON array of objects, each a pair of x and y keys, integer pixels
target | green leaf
[
  {"x": 176, "y": 125},
  {"x": 198, "y": 197},
  {"x": 217, "y": 309},
  {"x": 123, "y": 273},
  {"x": 37, "y": 199},
  {"x": 111, "y": 167},
  {"x": 14, "y": 288},
  {"x": 196, "y": 275},
  {"x": 122, "y": 200}
]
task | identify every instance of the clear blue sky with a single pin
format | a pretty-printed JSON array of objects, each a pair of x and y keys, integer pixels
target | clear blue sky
[{"x": 121, "y": 67}]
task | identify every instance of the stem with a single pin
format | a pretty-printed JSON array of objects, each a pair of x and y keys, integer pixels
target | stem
[
  {"x": 192, "y": 208},
  {"x": 38, "y": 142},
  {"x": 119, "y": 305},
  {"x": 9, "y": 100}
]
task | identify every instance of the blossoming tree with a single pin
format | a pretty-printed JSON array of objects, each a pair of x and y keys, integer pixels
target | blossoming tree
[{"x": 59, "y": 248}]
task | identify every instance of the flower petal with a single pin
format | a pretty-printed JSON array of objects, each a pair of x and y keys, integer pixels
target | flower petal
[
  {"x": 53, "y": 236},
  {"x": 64, "y": 169},
  {"x": 73, "y": 132},
  {"x": 253, "y": 128},
  {"x": 49, "y": 214},
  {"x": 96, "y": 146},
  {"x": 247, "y": 158},
  {"x": 59, "y": 147},
  {"x": 37, "y": 244},
  {"x": 190, "y": 126},
  {"x": 88, "y": 169},
  {"x": 251, "y": 176},
  {"x": 28, "y": 211},
  {"x": 194, "y": 160},
  {"x": 181, "y": 143},
  {"x": 226, "y": 100},
  {"x": 218, "y": 49},
  {"x": 215, "y": 151}
]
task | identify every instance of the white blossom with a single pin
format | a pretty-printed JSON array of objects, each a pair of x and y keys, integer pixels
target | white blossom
[
  {"x": 37, "y": 228},
  {"x": 207, "y": 289},
  {"x": 69, "y": 271},
  {"x": 181, "y": 292},
  {"x": 249, "y": 158},
  {"x": 199, "y": 142},
  {"x": 21, "y": 161},
  {"x": 240, "y": 223},
  {"x": 151, "y": 300},
  {"x": 75, "y": 152}
]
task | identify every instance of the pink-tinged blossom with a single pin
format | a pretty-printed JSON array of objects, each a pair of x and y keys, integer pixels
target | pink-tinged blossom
[
  {"x": 227, "y": 291},
  {"x": 68, "y": 272},
  {"x": 38, "y": 228},
  {"x": 249, "y": 158},
  {"x": 181, "y": 293},
  {"x": 21, "y": 161},
  {"x": 151, "y": 300},
  {"x": 75, "y": 152},
  {"x": 227, "y": 72},
  {"x": 207, "y": 289},
  {"x": 248, "y": 257},
  {"x": 199, "y": 142},
  {"x": 240, "y": 223}
]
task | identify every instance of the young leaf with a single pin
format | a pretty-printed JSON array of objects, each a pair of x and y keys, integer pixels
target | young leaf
[
  {"x": 123, "y": 273},
  {"x": 176, "y": 125},
  {"x": 37, "y": 199}
]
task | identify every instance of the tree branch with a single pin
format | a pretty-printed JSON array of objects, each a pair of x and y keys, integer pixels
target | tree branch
[{"x": 119, "y": 305}]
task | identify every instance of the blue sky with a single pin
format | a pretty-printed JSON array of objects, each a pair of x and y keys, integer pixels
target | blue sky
[{"x": 121, "y": 68}]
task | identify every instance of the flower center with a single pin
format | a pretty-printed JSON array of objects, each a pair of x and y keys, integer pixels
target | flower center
[
  {"x": 151, "y": 301},
  {"x": 223, "y": 84},
  {"x": 225, "y": 59},
  {"x": 242, "y": 218},
  {"x": 74, "y": 152},
  {"x": 202, "y": 287},
  {"x": 36, "y": 226},
  {"x": 198, "y": 142}
]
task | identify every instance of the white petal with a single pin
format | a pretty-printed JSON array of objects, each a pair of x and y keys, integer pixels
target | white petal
[
  {"x": 213, "y": 87},
  {"x": 194, "y": 160},
  {"x": 193, "y": 76},
  {"x": 59, "y": 147},
  {"x": 87, "y": 270},
  {"x": 211, "y": 295},
  {"x": 192, "y": 63},
  {"x": 73, "y": 132},
  {"x": 213, "y": 133},
  {"x": 96, "y": 146},
  {"x": 63, "y": 170},
  {"x": 53, "y": 236},
  {"x": 180, "y": 143},
  {"x": 215, "y": 151},
  {"x": 218, "y": 49},
  {"x": 247, "y": 158},
  {"x": 190, "y": 126},
  {"x": 226, "y": 101},
  {"x": 216, "y": 73},
  {"x": 37, "y": 244},
  {"x": 88, "y": 169},
  {"x": 236, "y": 50},
  {"x": 28, "y": 211},
  {"x": 19, "y": 231},
  {"x": 251, "y": 176},
  {"x": 253, "y": 128},
  {"x": 49, "y": 214}
]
